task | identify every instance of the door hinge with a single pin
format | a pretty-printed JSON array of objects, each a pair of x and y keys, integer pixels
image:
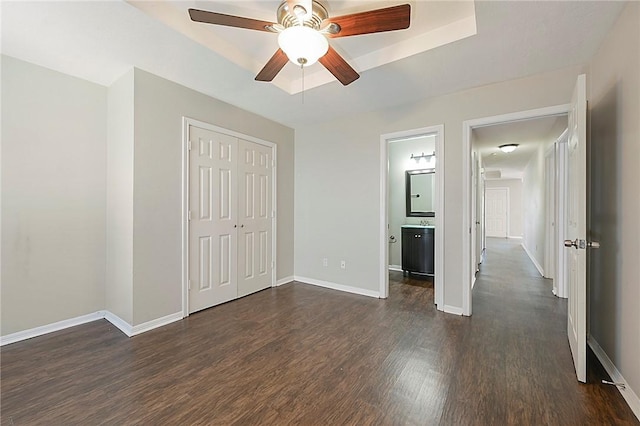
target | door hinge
[
  {"x": 189, "y": 215},
  {"x": 273, "y": 264},
  {"x": 273, "y": 214},
  {"x": 189, "y": 145},
  {"x": 189, "y": 284},
  {"x": 273, "y": 163}
]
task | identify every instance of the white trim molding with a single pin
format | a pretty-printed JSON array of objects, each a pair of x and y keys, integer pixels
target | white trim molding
[
  {"x": 627, "y": 393},
  {"x": 533, "y": 259},
  {"x": 49, "y": 328},
  {"x": 397, "y": 268},
  {"x": 118, "y": 322},
  {"x": 467, "y": 127},
  {"x": 339, "y": 287},
  {"x": 285, "y": 280},
  {"x": 453, "y": 310},
  {"x": 440, "y": 214}
]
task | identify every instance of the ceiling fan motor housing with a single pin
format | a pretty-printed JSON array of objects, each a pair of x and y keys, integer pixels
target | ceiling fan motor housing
[{"x": 288, "y": 18}]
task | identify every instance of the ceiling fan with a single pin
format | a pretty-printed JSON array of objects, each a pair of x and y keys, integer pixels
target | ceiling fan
[{"x": 304, "y": 26}]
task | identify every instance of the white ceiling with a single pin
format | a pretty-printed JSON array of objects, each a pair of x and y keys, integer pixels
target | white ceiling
[
  {"x": 100, "y": 41},
  {"x": 528, "y": 134}
]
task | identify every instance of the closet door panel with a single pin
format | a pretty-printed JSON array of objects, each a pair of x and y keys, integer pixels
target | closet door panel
[
  {"x": 255, "y": 169},
  {"x": 212, "y": 203}
]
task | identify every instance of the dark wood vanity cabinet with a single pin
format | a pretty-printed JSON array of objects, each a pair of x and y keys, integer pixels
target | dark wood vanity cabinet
[{"x": 418, "y": 250}]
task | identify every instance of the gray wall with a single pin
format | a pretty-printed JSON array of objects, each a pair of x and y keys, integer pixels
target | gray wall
[
  {"x": 338, "y": 173},
  {"x": 614, "y": 317},
  {"x": 399, "y": 154},
  {"x": 515, "y": 203},
  {"x": 119, "y": 262},
  {"x": 157, "y": 187},
  {"x": 91, "y": 193},
  {"x": 53, "y": 196}
]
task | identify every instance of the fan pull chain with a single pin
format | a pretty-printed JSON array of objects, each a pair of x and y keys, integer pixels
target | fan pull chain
[{"x": 302, "y": 66}]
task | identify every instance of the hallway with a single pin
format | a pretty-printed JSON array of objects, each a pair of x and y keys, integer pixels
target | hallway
[{"x": 521, "y": 329}]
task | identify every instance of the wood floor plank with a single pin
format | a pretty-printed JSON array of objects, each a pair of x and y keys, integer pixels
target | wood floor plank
[{"x": 299, "y": 354}]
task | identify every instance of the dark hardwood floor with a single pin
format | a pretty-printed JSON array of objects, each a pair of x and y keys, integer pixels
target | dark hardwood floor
[{"x": 300, "y": 354}]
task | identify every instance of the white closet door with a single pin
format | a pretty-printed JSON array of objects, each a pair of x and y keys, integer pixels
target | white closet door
[
  {"x": 212, "y": 228},
  {"x": 255, "y": 170}
]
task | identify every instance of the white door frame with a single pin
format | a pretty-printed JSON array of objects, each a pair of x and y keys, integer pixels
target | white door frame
[
  {"x": 560, "y": 280},
  {"x": 467, "y": 128},
  {"x": 186, "y": 122},
  {"x": 550, "y": 209},
  {"x": 439, "y": 210}
]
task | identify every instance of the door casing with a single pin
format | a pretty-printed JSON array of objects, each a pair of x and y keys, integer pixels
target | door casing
[{"x": 467, "y": 128}]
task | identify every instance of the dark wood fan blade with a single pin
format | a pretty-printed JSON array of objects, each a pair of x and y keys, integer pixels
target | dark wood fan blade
[
  {"x": 339, "y": 67},
  {"x": 373, "y": 21},
  {"x": 273, "y": 67},
  {"x": 229, "y": 20}
]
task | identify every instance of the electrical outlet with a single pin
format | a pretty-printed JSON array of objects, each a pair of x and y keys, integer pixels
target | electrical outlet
[
  {"x": 343, "y": 264},
  {"x": 325, "y": 262}
]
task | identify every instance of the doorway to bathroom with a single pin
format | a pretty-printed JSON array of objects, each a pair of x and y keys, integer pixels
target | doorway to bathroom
[{"x": 412, "y": 204}]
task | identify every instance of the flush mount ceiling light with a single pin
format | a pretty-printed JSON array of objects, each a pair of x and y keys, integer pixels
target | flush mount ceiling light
[{"x": 508, "y": 147}]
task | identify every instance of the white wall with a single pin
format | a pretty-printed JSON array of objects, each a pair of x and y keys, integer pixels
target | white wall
[
  {"x": 533, "y": 205},
  {"x": 399, "y": 154},
  {"x": 157, "y": 187},
  {"x": 338, "y": 173},
  {"x": 614, "y": 317},
  {"x": 515, "y": 203},
  {"x": 119, "y": 269},
  {"x": 53, "y": 196}
]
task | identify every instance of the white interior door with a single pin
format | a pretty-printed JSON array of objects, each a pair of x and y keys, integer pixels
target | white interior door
[
  {"x": 212, "y": 209},
  {"x": 255, "y": 256},
  {"x": 577, "y": 229},
  {"x": 496, "y": 205}
]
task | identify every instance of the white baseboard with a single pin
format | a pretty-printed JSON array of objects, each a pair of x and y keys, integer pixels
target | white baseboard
[
  {"x": 452, "y": 310},
  {"x": 121, "y": 324},
  {"x": 133, "y": 330},
  {"x": 533, "y": 260},
  {"x": 49, "y": 328},
  {"x": 397, "y": 268},
  {"x": 156, "y": 323},
  {"x": 339, "y": 287},
  {"x": 515, "y": 237},
  {"x": 285, "y": 280},
  {"x": 118, "y": 322},
  {"x": 627, "y": 393}
]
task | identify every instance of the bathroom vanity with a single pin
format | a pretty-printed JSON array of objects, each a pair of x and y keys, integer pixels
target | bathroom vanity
[{"x": 418, "y": 249}]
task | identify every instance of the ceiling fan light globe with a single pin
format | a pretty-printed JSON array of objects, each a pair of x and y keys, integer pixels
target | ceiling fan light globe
[{"x": 303, "y": 45}]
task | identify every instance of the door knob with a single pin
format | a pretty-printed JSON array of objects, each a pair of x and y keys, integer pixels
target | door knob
[{"x": 581, "y": 244}]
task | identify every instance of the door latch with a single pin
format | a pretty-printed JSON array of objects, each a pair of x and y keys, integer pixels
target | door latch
[{"x": 581, "y": 244}]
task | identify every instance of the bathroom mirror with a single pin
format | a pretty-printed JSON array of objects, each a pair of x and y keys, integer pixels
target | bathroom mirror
[{"x": 420, "y": 192}]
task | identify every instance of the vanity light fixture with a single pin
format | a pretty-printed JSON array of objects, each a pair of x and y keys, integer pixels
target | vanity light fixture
[
  {"x": 508, "y": 147},
  {"x": 427, "y": 157}
]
